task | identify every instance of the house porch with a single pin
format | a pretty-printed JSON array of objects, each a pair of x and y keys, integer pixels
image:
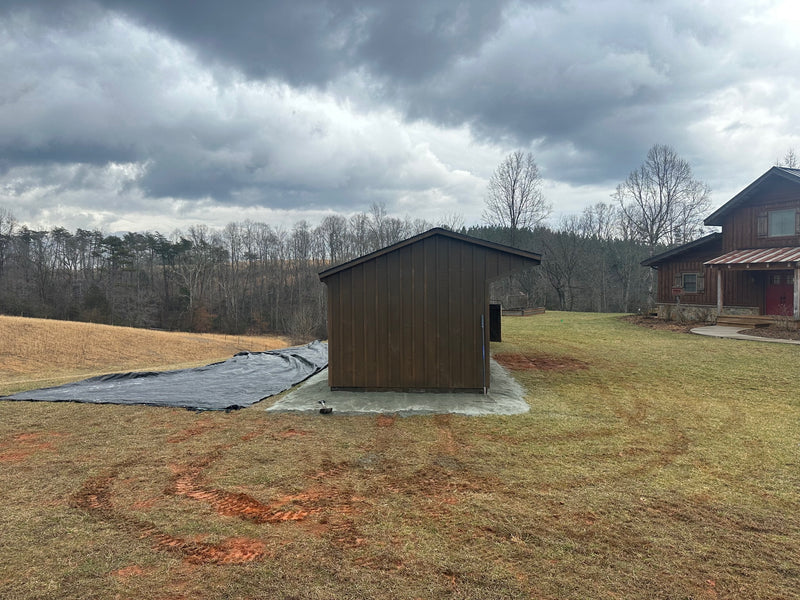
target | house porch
[{"x": 778, "y": 269}]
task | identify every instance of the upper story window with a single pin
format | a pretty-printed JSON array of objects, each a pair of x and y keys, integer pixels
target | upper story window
[{"x": 781, "y": 222}]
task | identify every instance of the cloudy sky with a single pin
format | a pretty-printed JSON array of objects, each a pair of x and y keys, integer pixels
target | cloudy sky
[{"x": 154, "y": 115}]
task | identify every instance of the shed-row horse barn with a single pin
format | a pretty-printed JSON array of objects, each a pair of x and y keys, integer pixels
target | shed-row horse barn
[{"x": 414, "y": 316}]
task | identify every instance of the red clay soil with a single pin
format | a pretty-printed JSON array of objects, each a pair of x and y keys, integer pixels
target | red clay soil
[
  {"x": 95, "y": 497},
  {"x": 188, "y": 483},
  {"x": 228, "y": 552},
  {"x": 130, "y": 571},
  {"x": 385, "y": 420},
  {"x": 331, "y": 502},
  {"x": 290, "y": 433},
  {"x": 198, "y": 428},
  {"x": 539, "y": 362},
  {"x": 23, "y": 445}
]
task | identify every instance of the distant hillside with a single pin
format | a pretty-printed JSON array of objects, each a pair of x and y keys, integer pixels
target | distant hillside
[{"x": 41, "y": 352}]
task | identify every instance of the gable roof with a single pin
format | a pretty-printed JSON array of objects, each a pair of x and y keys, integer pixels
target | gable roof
[
  {"x": 706, "y": 240},
  {"x": 716, "y": 218},
  {"x": 436, "y": 231}
]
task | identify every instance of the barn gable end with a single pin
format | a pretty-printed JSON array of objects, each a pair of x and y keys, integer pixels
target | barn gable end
[{"x": 408, "y": 317}]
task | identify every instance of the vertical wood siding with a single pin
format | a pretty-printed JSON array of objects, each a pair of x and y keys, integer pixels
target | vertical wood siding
[
  {"x": 740, "y": 287},
  {"x": 411, "y": 318},
  {"x": 740, "y": 227}
]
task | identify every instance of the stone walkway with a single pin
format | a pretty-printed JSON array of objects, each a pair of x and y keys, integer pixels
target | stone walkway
[{"x": 727, "y": 331}]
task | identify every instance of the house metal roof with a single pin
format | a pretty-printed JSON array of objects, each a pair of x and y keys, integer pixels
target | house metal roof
[
  {"x": 716, "y": 218},
  {"x": 757, "y": 256}
]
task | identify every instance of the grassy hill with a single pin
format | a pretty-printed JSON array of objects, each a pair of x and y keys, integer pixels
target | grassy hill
[
  {"x": 651, "y": 465},
  {"x": 38, "y": 352}
]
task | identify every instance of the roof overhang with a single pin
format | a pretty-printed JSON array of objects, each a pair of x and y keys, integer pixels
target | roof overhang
[
  {"x": 717, "y": 217},
  {"x": 534, "y": 257},
  {"x": 758, "y": 259},
  {"x": 673, "y": 253}
]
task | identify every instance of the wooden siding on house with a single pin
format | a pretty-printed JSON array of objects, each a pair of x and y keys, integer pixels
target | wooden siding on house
[
  {"x": 667, "y": 279},
  {"x": 740, "y": 287},
  {"x": 740, "y": 226},
  {"x": 745, "y": 230},
  {"x": 410, "y": 318}
]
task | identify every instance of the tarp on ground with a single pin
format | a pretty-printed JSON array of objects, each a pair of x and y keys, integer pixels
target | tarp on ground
[{"x": 240, "y": 381}]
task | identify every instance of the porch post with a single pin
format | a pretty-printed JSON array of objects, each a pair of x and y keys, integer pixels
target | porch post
[
  {"x": 719, "y": 292},
  {"x": 796, "y": 297}
]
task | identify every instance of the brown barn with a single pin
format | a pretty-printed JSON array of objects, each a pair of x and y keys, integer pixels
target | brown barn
[
  {"x": 749, "y": 272},
  {"x": 415, "y": 316}
]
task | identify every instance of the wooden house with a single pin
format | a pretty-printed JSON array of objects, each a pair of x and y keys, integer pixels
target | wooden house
[
  {"x": 750, "y": 269},
  {"x": 415, "y": 316}
]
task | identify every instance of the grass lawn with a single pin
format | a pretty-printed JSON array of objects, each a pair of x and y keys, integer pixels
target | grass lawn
[{"x": 651, "y": 465}]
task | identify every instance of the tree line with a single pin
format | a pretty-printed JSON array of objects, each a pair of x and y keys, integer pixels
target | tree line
[{"x": 252, "y": 277}]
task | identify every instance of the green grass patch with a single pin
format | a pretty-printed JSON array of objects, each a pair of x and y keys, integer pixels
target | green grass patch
[{"x": 651, "y": 465}]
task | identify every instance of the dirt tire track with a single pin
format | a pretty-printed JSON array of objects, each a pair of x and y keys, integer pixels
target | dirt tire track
[
  {"x": 188, "y": 483},
  {"x": 539, "y": 362},
  {"x": 95, "y": 497},
  {"x": 202, "y": 425},
  {"x": 446, "y": 443}
]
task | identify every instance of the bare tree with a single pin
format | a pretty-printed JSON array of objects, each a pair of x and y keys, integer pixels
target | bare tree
[
  {"x": 334, "y": 231},
  {"x": 451, "y": 221},
  {"x": 661, "y": 201},
  {"x": 789, "y": 160},
  {"x": 563, "y": 251},
  {"x": 7, "y": 225},
  {"x": 600, "y": 221},
  {"x": 514, "y": 198}
]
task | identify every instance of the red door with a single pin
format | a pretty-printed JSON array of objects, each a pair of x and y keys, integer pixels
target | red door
[{"x": 780, "y": 294}]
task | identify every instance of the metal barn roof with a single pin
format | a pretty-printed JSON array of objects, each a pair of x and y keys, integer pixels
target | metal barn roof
[{"x": 535, "y": 257}]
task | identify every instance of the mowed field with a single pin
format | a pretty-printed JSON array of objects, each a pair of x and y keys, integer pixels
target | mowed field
[{"x": 652, "y": 465}]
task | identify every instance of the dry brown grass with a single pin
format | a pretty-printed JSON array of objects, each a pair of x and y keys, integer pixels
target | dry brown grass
[
  {"x": 38, "y": 352},
  {"x": 652, "y": 465}
]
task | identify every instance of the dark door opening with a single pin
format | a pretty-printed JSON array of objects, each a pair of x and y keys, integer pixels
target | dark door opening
[{"x": 495, "y": 327}]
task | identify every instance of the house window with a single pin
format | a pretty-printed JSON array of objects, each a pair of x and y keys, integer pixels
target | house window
[
  {"x": 781, "y": 222},
  {"x": 781, "y": 279},
  {"x": 689, "y": 283}
]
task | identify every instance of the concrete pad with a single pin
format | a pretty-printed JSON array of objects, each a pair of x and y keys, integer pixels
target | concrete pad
[
  {"x": 732, "y": 332},
  {"x": 505, "y": 397}
]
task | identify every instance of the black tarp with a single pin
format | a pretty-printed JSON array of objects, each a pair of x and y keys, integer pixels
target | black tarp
[{"x": 240, "y": 381}]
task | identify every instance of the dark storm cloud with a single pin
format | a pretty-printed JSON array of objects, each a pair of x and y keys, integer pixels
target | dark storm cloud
[
  {"x": 609, "y": 80},
  {"x": 523, "y": 71},
  {"x": 86, "y": 87},
  {"x": 305, "y": 104},
  {"x": 311, "y": 42}
]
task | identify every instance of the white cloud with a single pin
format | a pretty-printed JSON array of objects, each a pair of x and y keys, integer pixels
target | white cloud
[{"x": 110, "y": 122}]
